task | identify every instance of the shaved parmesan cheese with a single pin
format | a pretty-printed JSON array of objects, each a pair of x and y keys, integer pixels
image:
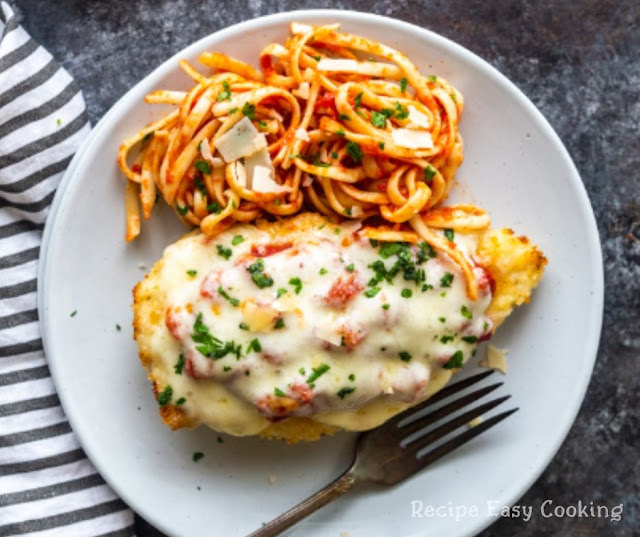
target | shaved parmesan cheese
[
  {"x": 300, "y": 28},
  {"x": 242, "y": 140},
  {"x": 495, "y": 359},
  {"x": 356, "y": 211},
  {"x": 308, "y": 180},
  {"x": 308, "y": 74},
  {"x": 302, "y": 91},
  {"x": 261, "y": 158},
  {"x": 329, "y": 64},
  {"x": 262, "y": 182},
  {"x": 278, "y": 50},
  {"x": 302, "y": 134},
  {"x": 417, "y": 118},
  {"x": 412, "y": 139}
]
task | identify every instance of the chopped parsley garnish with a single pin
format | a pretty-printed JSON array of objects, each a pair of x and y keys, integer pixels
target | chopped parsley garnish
[
  {"x": 404, "y": 356},
  {"x": 224, "y": 95},
  {"x": 426, "y": 287},
  {"x": 406, "y": 293},
  {"x": 323, "y": 271},
  {"x": 446, "y": 280},
  {"x": 373, "y": 291},
  {"x": 297, "y": 284},
  {"x": 254, "y": 345},
  {"x": 469, "y": 339},
  {"x": 318, "y": 372},
  {"x": 209, "y": 345},
  {"x": 258, "y": 276},
  {"x": 351, "y": 267},
  {"x": 347, "y": 211},
  {"x": 465, "y": 312},
  {"x": 198, "y": 454},
  {"x": 220, "y": 440},
  {"x": 378, "y": 120},
  {"x": 145, "y": 138},
  {"x": 340, "y": 132},
  {"x": 243, "y": 326},
  {"x": 202, "y": 166},
  {"x": 279, "y": 392},
  {"x": 485, "y": 326},
  {"x": 334, "y": 155},
  {"x": 238, "y": 239},
  {"x": 432, "y": 78},
  {"x": 385, "y": 306},
  {"x": 181, "y": 401},
  {"x": 200, "y": 185},
  {"x": 73, "y": 313},
  {"x": 442, "y": 319},
  {"x": 279, "y": 324},
  {"x": 403, "y": 84},
  {"x": 381, "y": 145},
  {"x": 358, "y": 100},
  {"x": 192, "y": 273},
  {"x": 448, "y": 233},
  {"x": 233, "y": 301},
  {"x": 426, "y": 252},
  {"x": 429, "y": 174},
  {"x": 214, "y": 207},
  {"x": 455, "y": 362},
  {"x": 302, "y": 371},
  {"x": 164, "y": 397},
  {"x": 182, "y": 210},
  {"x": 453, "y": 97},
  {"x": 401, "y": 111},
  {"x": 317, "y": 58},
  {"x": 446, "y": 339},
  {"x": 343, "y": 392},
  {"x": 226, "y": 368},
  {"x": 354, "y": 151},
  {"x": 281, "y": 291},
  {"x": 179, "y": 365},
  {"x": 249, "y": 110},
  {"x": 337, "y": 231},
  {"x": 118, "y": 327},
  {"x": 344, "y": 117},
  {"x": 374, "y": 243},
  {"x": 224, "y": 252},
  {"x": 352, "y": 377},
  {"x": 262, "y": 125}
]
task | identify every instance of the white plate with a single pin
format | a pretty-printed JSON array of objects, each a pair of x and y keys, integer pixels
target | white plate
[{"x": 515, "y": 166}]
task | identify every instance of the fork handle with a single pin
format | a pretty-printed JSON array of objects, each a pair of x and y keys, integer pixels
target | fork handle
[{"x": 321, "y": 498}]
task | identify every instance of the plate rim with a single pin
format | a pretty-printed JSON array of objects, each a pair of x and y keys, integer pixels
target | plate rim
[{"x": 565, "y": 420}]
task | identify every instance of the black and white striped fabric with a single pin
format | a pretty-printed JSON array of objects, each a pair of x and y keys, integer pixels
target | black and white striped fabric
[{"x": 47, "y": 485}]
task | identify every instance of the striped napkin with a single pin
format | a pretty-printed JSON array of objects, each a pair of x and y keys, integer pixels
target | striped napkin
[{"x": 47, "y": 485}]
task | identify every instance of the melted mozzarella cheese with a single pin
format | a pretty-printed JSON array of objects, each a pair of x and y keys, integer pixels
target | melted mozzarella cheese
[{"x": 331, "y": 344}]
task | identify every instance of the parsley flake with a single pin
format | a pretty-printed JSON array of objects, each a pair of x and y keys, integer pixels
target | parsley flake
[
  {"x": 318, "y": 372},
  {"x": 197, "y": 456},
  {"x": 465, "y": 312},
  {"x": 405, "y": 356},
  {"x": 343, "y": 392},
  {"x": 446, "y": 280},
  {"x": 297, "y": 284},
  {"x": 354, "y": 151},
  {"x": 224, "y": 252},
  {"x": 238, "y": 239},
  {"x": 164, "y": 397},
  {"x": 202, "y": 166},
  {"x": 455, "y": 362},
  {"x": 179, "y": 365}
]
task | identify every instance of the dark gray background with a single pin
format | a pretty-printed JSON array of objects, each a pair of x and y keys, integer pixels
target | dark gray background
[{"x": 578, "y": 61}]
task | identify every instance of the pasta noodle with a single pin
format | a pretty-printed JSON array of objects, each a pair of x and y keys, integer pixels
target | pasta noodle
[{"x": 346, "y": 126}]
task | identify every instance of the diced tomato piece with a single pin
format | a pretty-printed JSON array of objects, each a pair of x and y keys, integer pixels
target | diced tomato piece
[
  {"x": 265, "y": 250},
  {"x": 352, "y": 336},
  {"x": 342, "y": 291},
  {"x": 304, "y": 392}
]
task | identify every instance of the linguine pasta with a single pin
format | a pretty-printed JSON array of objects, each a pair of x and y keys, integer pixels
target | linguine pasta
[{"x": 337, "y": 123}]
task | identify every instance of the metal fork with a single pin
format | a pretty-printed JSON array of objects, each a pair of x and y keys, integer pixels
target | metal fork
[{"x": 382, "y": 457}]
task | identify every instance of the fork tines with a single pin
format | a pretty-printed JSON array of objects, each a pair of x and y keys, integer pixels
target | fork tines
[{"x": 429, "y": 437}]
